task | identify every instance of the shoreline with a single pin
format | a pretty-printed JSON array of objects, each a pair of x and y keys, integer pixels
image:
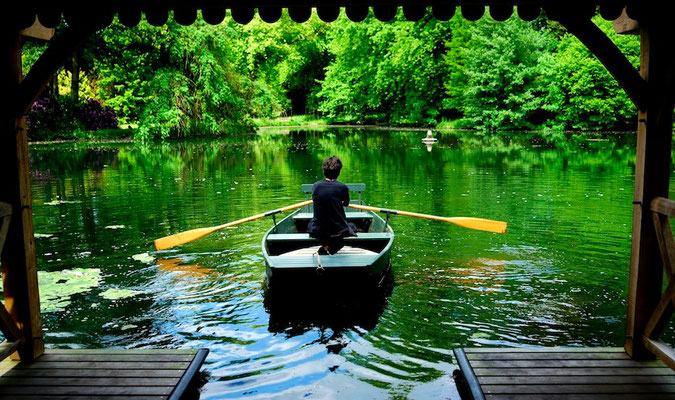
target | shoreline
[{"x": 340, "y": 126}]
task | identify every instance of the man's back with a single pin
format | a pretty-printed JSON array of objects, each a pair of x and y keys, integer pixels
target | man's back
[{"x": 330, "y": 197}]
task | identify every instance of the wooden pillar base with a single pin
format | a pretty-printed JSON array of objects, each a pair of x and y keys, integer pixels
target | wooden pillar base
[
  {"x": 652, "y": 175},
  {"x": 19, "y": 270}
]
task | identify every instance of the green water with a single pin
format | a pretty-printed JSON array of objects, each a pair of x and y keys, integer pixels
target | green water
[{"x": 558, "y": 277}]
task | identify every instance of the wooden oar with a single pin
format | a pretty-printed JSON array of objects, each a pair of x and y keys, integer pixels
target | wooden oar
[
  {"x": 467, "y": 222},
  {"x": 177, "y": 239}
]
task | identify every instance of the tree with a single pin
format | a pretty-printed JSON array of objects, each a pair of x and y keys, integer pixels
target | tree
[
  {"x": 499, "y": 73},
  {"x": 386, "y": 71},
  {"x": 584, "y": 93}
]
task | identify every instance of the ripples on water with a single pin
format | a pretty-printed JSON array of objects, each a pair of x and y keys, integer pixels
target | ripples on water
[{"x": 557, "y": 278}]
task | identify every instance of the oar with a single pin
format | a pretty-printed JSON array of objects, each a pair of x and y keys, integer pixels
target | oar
[
  {"x": 177, "y": 239},
  {"x": 467, "y": 222}
]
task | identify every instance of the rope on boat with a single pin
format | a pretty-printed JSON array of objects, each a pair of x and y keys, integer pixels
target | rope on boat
[{"x": 319, "y": 266}]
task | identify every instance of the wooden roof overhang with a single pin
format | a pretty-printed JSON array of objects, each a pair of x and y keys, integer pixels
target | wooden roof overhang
[{"x": 214, "y": 11}]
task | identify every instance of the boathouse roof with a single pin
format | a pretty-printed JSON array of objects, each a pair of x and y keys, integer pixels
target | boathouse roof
[{"x": 130, "y": 12}]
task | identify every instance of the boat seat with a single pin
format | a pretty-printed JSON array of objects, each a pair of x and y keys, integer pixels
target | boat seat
[
  {"x": 309, "y": 261},
  {"x": 347, "y": 250},
  {"x": 350, "y": 215},
  {"x": 304, "y": 237}
]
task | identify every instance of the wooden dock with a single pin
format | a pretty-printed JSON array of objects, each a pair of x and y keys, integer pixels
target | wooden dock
[
  {"x": 102, "y": 374},
  {"x": 560, "y": 373}
]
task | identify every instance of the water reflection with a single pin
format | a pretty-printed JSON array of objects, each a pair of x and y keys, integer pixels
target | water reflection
[
  {"x": 297, "y": 308},
  {"x": 180, "y": 270}
]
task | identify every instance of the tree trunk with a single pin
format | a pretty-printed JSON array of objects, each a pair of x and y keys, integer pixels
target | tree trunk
[{"x": 75, "y": 81}]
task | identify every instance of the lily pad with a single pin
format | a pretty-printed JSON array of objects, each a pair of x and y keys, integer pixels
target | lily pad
[
  {"x": 57, "y": 287},
  {"x": 115, "y": 294},
  {"x": 144, "y": 258},
  {"x": 59, "y": 202},
  {"x": 115, "y": 227}
]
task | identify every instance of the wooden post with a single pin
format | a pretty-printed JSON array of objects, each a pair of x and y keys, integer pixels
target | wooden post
[
  {"x": 19, "y": 270},
  {"x": 652, "y": 173}
]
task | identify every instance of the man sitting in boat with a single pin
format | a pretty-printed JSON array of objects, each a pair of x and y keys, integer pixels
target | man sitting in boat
[{"x": 329, "y": 224}]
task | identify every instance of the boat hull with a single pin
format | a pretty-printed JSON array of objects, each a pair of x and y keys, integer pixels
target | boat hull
[{"x": 290, "y": 253}]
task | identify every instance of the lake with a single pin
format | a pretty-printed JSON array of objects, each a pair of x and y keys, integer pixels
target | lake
[{"x": 558, "y": 277}]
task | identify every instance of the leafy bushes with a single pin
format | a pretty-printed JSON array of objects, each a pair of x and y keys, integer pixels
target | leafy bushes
[
  {"x": 52, "y": 118},
  {"x": 174, "y": 81},
  {"x": 61, "y": 118},
  {"x": 95, "y": 116}
]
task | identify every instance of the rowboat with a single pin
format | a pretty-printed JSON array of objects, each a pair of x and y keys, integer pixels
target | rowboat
[{"x": 290, "y": 253}]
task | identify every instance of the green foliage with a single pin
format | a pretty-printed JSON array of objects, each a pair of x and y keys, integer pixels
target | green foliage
[
  {"x": 288, "y": 59},
  {"x": 583, "y": 92},
  {"x": 499, "y": 73},
  {"x": 175, "y": 81},
  {"x": 183, "y": 81},
  {"x": 385, "y": 72}
]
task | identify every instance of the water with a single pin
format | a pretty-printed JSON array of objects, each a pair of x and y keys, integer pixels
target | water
[{"x": 557, "y": 278}]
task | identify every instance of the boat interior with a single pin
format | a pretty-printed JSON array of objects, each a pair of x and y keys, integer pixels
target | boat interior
[{"x": 290, "y": 238}]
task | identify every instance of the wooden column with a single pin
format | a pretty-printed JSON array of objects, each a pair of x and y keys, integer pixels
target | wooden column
[
  {"x": 19, "y": 270},
  {"x": 652, "y": 173}
]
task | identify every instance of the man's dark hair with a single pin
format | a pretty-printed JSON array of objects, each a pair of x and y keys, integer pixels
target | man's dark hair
[{"x": 331, "y": 167}]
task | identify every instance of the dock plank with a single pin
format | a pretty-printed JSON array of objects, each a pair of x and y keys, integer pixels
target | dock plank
[
  {"x": 556, "y": 373},
  {"x": 87, "y": 390},
  {"x": 548, "y": 356},
  {"x": 577, "y": 379},
  {"x": 86, "y": 397},
  {"x": 563, "y": 363},
  {"x": 132, "y": 358},
  {"x": 576, "y": 389},
  {"x": 596, "y": 396},
  {"x": 494, "y": 350},
  {"x": 105, "y": 374},
  {"x": 103, "y": 365},
  {"x": 572, "y": 371},
  {"x": 93, "y": 373},
  {"x": 87, "y": 381}
]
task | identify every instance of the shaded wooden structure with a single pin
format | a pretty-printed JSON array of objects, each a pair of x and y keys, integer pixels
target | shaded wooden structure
[
  {"x": 108, "y": 374},
  {"x": 561, "y": 373},
  {"x": 650, "y": 88}
]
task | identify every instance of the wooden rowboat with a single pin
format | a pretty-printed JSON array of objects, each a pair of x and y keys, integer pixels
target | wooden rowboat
[{"x": 290, "y": 253}]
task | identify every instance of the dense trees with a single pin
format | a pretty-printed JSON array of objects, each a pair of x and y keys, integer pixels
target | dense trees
[{"x": 201, "y": 79}]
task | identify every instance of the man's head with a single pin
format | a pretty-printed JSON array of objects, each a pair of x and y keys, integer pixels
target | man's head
[{"x": 331, "y": 167}]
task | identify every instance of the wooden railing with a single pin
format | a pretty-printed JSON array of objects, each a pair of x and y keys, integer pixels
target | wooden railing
[
  {"x": 8, "y": 325},
  {"x": 662, "y": 210}
]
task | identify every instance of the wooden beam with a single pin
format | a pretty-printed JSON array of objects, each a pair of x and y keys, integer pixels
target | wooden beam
[
  {"x": 652, "y": 176},
  {"x": 19, "y": 271},
  {"x": 664, "y": 235},
  {"x": 61, "y": 48},
  {"x": 662, "y": 350},
  {"x": 664, "y": 206},
  {"x": 610, "y": 56}
]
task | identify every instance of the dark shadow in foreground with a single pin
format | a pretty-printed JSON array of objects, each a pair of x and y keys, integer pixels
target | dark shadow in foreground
[{"x": 196, "y": 385}]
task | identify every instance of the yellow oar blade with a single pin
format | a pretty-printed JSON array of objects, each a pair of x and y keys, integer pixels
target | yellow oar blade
[
  {"x": 479, "y": 224},
  {"x": 466, "y": 222},
  {"x": 177, "y": 239}
]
